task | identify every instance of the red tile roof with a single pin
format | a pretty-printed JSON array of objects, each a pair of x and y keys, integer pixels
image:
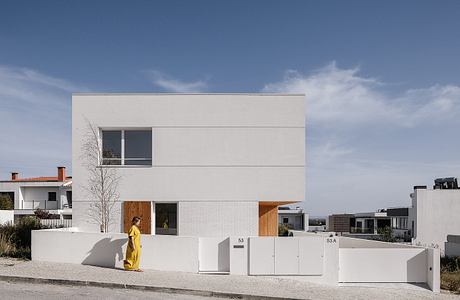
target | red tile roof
[{"x": 39, "y": 179}]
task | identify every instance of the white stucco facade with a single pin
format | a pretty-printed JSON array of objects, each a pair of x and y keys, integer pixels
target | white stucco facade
[
  {"x": 434, "y": 215},
  {"x": 215, "y": 155}
]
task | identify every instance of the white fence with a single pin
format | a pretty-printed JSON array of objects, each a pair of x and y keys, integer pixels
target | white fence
[
  {"x": 164, "y": 253},
  {"x": 6, "y": 216},
  {"x": 383, "y": 265},
  {"x": 286, "y": 256},
  {"x": 314, "y": 258},
  {"x": 56, "y": 223}
]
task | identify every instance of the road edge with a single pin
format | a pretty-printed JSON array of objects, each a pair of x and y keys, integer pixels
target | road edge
[{"x": 158, "y": 289}]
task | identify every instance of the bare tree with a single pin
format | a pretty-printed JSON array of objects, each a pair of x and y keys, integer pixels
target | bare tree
[{"x": 102, "y": 182}]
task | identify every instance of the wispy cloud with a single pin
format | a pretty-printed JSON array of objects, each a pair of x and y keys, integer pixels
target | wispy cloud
[
  {"x": 35, "y": 110},
  {"x": 344, "y": 97},
  {"x": 366, "y": 146},
  {"x": 175, "y": 85}
]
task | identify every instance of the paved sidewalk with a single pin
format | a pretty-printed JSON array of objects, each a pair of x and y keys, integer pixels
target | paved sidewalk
[{"x": 204, "y": 285}]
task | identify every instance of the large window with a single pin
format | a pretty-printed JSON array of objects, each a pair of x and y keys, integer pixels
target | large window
[
  {"x": 166, "y": 218},
  {"x": 126, "y": 147}
]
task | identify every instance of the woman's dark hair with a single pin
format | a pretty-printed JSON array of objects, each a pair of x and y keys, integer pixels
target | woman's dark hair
[{"x": 135, "y": 219}]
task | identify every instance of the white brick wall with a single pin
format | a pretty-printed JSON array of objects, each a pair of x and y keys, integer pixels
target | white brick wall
[{"x": 218, "y": 219}]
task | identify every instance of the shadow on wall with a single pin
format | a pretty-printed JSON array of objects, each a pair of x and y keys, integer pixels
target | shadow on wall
[
  {"x": 106, "y": 253},
  {"x": 417, "y": 268},
  {"x": 223, "y": 256}
]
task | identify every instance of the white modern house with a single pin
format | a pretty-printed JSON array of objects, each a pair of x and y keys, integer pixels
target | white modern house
[
  {"x": 50, "y": 193},
  {"x": 207, "y": 173},
  {"x": 294, "y": 218},
  {"x": 208, "y": 165},
  {"x": 434, "y": 215}
]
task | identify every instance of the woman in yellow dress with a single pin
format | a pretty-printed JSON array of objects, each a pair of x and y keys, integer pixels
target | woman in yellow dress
[{"x": 133, "y": 251}]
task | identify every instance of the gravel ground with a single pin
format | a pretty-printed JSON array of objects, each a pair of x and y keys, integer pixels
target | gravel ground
[{"x": 251, "y": 285}]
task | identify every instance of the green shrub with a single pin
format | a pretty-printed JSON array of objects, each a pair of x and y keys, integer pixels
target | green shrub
[
  {"x": 283, "y": 230},
  {"x": 450, "y": 264},
  {"x": 6, "y": 203},
  {"x": 15, "y": 240},
  {"x": 386, "y": 234},
  {"x": 44, "y": 214}
]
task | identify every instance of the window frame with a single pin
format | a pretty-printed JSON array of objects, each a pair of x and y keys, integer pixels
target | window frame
[
  {"x": 55, "y": 196},
  {"x": 154, "y": 217},
  {"x": 122, "y": 152}
]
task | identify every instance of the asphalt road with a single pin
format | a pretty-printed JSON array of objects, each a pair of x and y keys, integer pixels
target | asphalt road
[{"x": 45, "y": 291}]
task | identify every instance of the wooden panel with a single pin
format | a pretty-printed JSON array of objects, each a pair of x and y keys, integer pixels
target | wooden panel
[
  {"x": 142, "y": 209},
  {"x": 268, "y": 220}
]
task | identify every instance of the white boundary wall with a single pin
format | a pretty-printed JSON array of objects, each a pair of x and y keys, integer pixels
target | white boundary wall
[
  {"x": 382, "y": 265},
  {"x": 214, "y": 254},
  {"x": 164, "y": 253},
  {"x": 310, "y": 257},
  {"x": 6, "y": 216}
]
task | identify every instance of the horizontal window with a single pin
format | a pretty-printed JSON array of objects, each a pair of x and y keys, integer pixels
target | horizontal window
[{"x": 127, "y": 147}]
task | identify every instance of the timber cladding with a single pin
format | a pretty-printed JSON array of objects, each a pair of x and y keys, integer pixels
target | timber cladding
[
  {"x": 142, "y": 209},
  {"x": 268, "y": 220}
]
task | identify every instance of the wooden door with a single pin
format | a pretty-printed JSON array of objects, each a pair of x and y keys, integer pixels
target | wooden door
[
  {"x": 268, "y": 219},
  {"x": 142, "y": 209}
]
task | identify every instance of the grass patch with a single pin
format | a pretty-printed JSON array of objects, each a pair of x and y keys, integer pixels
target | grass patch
[{"x": 450, "y": 274}]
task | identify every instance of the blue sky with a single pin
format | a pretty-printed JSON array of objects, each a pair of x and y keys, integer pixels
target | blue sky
[{"x": 382, "y": 80}]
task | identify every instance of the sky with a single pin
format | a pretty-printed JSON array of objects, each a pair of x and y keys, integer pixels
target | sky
[{"x": 381, "y": 79}]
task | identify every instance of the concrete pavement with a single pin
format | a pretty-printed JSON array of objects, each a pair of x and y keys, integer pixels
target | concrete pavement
[
  {"x": 243, "y": 287},
  {"x": 33, "y": 291}
]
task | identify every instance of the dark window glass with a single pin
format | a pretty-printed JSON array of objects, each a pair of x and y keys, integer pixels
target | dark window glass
[
  {"x": 51, "y": 196},
  {"x": 166, "y": 218},
  {"x": 138, "y": 147},
  {"x": 69, "y": 198},
  {"x": 111, "y": 147}
]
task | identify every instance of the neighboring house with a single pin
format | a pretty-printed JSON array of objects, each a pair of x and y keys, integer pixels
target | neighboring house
[
  {"x": 369, "y": 224},
  {"x": 208, "y": 165},
  {"x": 317, "y": 224},
  {"x": 372, "y": 223},
  {"x": 435, "y": 213},
  {"x": 294, "y": 218},
  {"x": 51, "y": 193},
  {"x": 339, "y": 222}
]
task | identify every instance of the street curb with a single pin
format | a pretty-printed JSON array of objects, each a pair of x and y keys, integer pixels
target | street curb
[{"x": 158, "y": 289}]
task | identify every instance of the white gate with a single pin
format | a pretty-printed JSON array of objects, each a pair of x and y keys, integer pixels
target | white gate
[{"x": 286, "y": 255}]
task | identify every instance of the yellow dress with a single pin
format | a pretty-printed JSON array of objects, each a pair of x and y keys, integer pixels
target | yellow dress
[{"x": 133, "y": 255}]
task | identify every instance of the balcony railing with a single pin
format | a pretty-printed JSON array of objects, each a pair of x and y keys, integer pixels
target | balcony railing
[
  {"x": 56, "y": 223},
  {"x": 40, "y": 204},
  {"x": 361, "y": 230}
]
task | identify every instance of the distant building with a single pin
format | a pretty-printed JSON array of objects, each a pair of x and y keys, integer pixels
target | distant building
[
  {"x": 339, "y": 223},
  {"x": 435, "y": 213},
  {"x": 50, "y": 193},
  {"x": 373, "y": 222},
  {"x": 370, "y": 224},
  {"x": 294, "y": 218}
]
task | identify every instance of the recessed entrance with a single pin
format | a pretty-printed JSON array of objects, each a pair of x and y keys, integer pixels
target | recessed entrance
[{"x": 268, "y": 217}]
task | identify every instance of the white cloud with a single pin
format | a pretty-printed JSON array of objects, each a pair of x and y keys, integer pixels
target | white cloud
[
  {"x": 170, "y": 84},
  {"x": 35, "y": 112},
  {"x": 342, "y": 96},
  {"x": 367, "y": 147}
]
